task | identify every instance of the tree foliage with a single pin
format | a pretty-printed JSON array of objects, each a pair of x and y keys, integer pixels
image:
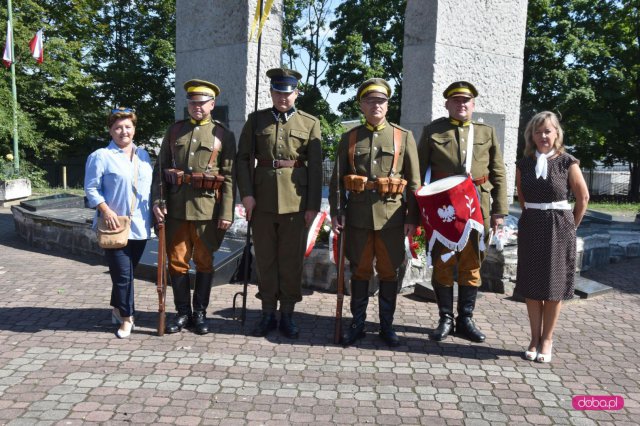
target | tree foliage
[
  {"x": 367, "y": 42},
  {"x": 582, "y": 60},
  {"x": 304, "y": 40},
  {"x": 97, "y": 55}
]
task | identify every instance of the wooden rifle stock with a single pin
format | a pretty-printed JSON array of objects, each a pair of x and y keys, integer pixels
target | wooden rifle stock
[
  {"x": 161, "y": 279},
  {"x": 340, "y": 289}
]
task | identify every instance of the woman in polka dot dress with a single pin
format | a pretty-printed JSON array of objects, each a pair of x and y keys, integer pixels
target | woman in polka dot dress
[{"x": 547, "y": 228}]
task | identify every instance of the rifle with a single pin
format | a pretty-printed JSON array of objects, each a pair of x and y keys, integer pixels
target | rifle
[
  {"x": 340, "y": 290},
  {"x": 161, "y": 280},
  {"x": 161, "y": 277},
  {"x": 246, "y": 254},
  {"x": 341, "y": 239}
]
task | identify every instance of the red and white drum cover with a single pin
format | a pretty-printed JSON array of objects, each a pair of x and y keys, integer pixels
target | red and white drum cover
[{"x": 450, "y": 209}]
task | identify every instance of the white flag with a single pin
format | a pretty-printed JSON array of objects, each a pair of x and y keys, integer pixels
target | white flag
[{"x": 7, "y": 58}]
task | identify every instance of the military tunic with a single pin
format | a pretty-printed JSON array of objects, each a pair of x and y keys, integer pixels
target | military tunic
[
  {"x": 369, "y": 215},
  {"x": 282, "y": 196},
  {"x": 443, "y": 146},
  {"x": 193, "y": 147}
]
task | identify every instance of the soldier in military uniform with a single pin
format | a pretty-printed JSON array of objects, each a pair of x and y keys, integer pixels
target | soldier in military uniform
[
  {"x": 195, "y": 168},
  {"x": 281, "y": 196},
  {"x": 372, "y": 187},
  {"x": 443, "y": 149}
]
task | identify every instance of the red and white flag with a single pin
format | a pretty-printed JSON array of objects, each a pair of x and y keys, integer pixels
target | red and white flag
[
  {"x": 7, "y": 58},
  {"x": 35, "y": 45}
]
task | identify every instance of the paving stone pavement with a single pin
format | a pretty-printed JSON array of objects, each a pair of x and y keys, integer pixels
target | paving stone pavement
[{"x": 60, "y": 362}]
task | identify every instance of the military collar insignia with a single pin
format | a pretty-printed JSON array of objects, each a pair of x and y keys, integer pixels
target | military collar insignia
[
  {"x": 282, "y": 116},
  {"x": 375, "y": 128},
  {"x": 459, "y": 123},
  {"x": 201, "y": 122}
]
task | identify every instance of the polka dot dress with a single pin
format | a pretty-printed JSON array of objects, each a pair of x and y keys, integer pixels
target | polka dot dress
[{"x": 546, "y": 238}]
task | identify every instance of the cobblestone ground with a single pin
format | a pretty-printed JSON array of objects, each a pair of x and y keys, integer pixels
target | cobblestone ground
[{"x": 60, "y": 362}]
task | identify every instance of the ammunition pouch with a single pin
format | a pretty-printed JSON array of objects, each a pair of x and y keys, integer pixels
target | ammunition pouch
[
  {"x": 173, "y": 176},
  {"x": 207, "y": 181},
  {"x": 354, "y": 183}
]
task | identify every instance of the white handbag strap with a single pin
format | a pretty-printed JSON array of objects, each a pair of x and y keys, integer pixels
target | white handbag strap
[{"x": 135, "y": 182}]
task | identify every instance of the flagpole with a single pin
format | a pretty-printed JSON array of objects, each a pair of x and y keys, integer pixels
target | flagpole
[{"x": 14, "y": 93}]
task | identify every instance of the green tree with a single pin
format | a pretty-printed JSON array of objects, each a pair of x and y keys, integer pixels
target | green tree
[
  {"x": 97, "y": 55},
  {"x": 582, "y": 60},
  {"x": 367, "y": 42},
  {"x": 304, "y": 42}
]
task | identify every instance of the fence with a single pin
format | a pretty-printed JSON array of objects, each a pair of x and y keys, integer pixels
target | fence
[{"x": 614, "y": 180}]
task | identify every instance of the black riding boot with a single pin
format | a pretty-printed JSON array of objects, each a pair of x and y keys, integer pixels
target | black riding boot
[
  {"x": 444, "y": 298},
  {"x": 359, "y": 302},
  {"x": 464, "y": 323},
  {"x": 181, "y": 292},
  {"x": 387, "y": 303},
  {"x": 288, "y": 328},
  {"x": 201, "y": 296},
  {"x": 267, "y": 323}
]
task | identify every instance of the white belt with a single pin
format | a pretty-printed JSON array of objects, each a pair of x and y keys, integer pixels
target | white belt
[{"x": 556, "y": 205}]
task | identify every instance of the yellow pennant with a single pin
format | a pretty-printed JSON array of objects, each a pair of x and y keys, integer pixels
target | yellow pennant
[{"x": 256, "y": 18}]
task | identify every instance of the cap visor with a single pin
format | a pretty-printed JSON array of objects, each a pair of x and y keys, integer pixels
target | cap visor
[
  {"x": 199, "y": 98},
  {"x": 283, "y": 88}
]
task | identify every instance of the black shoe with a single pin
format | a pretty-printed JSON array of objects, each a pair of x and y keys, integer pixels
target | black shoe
[
  {"x": 445, "y": 327},
  {"x": 467, "y": 328},
  {"x": 353, "y": 334},
  {"x": 200, "y": 324},
  {"x": 287, "y": 327},
  {"x": 266, "y": 324},
  {"x": 179, "y": 322},
  {"x": 390, "y": 337}
]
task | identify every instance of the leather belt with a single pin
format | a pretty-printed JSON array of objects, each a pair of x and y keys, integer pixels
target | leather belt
[
  {"x": 441, "y": 175},
  {"x": 279, "y": 164}
]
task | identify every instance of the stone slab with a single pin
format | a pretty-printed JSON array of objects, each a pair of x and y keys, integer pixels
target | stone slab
[
  {"x": 56, "y": 201},
  {"x": 597, "y": 217},
  {"x": 586, "y": 288},
  {"x": 224, "y": 262}
]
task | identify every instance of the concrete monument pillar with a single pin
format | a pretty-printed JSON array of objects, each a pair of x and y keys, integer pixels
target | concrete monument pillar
[
  {"x": 478, "y": 41},
  {"x": 211, "y": 44}
]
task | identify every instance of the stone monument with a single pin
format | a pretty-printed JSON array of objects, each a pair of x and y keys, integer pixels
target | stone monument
[
  {"x": 211, "y": 44},
  {"x": 478, "y": 41}
]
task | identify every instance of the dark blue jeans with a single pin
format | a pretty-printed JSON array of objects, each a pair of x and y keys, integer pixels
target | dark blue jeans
[{"x": 122, "y": 262}]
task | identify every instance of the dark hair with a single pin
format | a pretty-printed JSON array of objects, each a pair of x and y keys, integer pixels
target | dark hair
[{"x": 120, "y": 113}]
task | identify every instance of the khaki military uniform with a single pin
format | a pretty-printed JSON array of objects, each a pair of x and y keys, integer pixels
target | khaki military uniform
[
  {"x": 443, "y": 146},
  {"x": 282, "y": 196},
  {"x": 192, "y": 214},
  {"x": 375, "y": 223}
]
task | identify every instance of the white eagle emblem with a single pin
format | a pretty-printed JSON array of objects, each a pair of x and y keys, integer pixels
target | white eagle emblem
[{"x": 447, "y": 213}]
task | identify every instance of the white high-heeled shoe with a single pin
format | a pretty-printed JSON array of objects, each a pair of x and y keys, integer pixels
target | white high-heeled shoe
[
  {"x": 115, "y": 316},
  {"x": 531, "y": 355},
  {"x": 545, "y": 358},
  {"x": 123, "y": 334}
]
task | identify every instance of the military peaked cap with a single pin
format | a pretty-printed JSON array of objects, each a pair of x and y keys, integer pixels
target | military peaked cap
[
  {"x": 460, "y": 88},
  {"x": 373, "y": 85},
  {"x": 201, "y": 90},
  {"x": 283, "y": 79}
]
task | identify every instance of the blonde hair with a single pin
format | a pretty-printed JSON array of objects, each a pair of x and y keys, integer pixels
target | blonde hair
[
  {"x": 121, "y": 113},
  {"x": 537, "y": 121}
]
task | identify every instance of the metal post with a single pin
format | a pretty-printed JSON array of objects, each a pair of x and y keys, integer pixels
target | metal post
[
  {"x": 14, "y": 93},
  {"x": 64, "y": 177}
]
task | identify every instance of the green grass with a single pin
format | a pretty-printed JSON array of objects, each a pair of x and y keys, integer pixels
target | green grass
[
  {"x": 608, "y": 207},
  {"x": 44, "y": 191}
]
